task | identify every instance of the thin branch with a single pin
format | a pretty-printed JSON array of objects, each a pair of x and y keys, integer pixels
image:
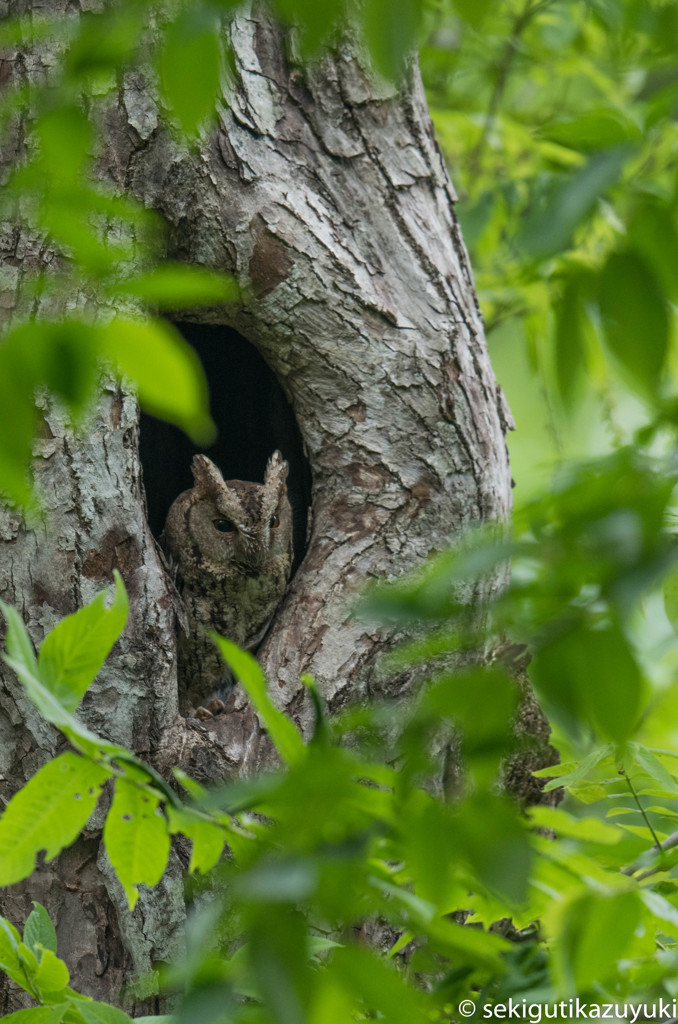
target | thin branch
[{"x": 529, "y": 11}]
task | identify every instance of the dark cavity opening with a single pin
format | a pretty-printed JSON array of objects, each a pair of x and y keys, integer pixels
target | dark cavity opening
[{"x": 253, "y": 418}]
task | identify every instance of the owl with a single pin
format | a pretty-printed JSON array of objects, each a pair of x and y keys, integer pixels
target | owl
[{"x": 230, "y": 545}]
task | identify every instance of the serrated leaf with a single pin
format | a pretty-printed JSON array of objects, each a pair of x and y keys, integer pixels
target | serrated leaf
[
  {"x": 48, "y": 813},
  {"x": 39, "y": 929},
  {"x": 635, "y": 319},
  {"x": 74, "y": 651},
  {"x": 136, "y": 838},
  {"x": 283, "y": 732},
  {"x": 166, "y": 372},
  {"x": 179, "y": 286}
]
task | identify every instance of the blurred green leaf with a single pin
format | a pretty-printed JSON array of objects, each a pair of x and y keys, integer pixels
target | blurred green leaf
[
  {"x": 563, "y": 203},
  {"x": 208, "y": 839},
  {"x": 591, "y": 674},
  {"x": 596, "y": 931},
  {"x": 165, "y": 370},
  {"x": 282, "y": 731},
  {"x": 391, "y": 36},
  {"x": 106, "y": 39},
  {"x": 570, "y": 344},
  {"x": 190, "y": 67},
  {"x": 635, "y": 320},
  {"x": 180, "y": 286},
  {"x": 593, "y": 130},
  {"x": 279, "y": 954},
  {"x": 315, "y": 22}
]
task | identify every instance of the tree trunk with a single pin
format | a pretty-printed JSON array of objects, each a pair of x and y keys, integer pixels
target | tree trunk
[{"x": 328, "y": 198}]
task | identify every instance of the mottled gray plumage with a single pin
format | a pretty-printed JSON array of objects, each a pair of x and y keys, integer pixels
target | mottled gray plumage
[{"x": 230, "y": 543}]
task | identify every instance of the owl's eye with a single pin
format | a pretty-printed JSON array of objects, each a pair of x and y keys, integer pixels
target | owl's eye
[
  {"x": 224, "y": 525},
  {"x": 275, "y": 522}
]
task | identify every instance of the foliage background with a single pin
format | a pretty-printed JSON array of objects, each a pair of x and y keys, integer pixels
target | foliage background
[{"x": 558, "y": 120}]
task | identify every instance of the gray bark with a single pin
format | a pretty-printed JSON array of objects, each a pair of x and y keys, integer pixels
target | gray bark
[{"x": 327, "y": 197}]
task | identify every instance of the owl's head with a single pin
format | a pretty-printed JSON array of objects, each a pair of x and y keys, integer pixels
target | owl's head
[{"x": 231, "y": 524}]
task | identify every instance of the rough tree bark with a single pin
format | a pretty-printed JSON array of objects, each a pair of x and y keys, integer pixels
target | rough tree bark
[{"x": 327, "y": 197}]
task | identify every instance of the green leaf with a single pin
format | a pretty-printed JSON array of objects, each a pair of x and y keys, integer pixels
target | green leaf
[
  {"x": 379, "y": 987},
  {"x": 17, "y": 641},
  {"x": 190, "y": 68},
  {"x": 166, "y": 371},
  {"x": 591, "y": 673},
  {"x": 76, "y": 648},
  {"x": 670, "y": 591},
  {"x": 102, "y": 1013},
  {"x": 570, "y": 345},
  {"x": 37, "y": 1015},
  {"x": 568, "y": 779},
  {"x": 9, "y": 953},
  {"x": 136, "y": 838},
  {"x": 65, "y": 139},
  {"x": 390, "y": 37},
  {"x": 48, "y": 813},
  {"x": 208, "y": 838},
  {"x": 635, "y": 320},
  {"x": 180, "y": 286},
  {"x": 282, "y": 731},
  {"x": 39, "y": 929},
  {"x": 315, "y": 22},
  {"x": 52, "y": 974},
  {"x": 593, "y": 130},
  {"x": 474, "y": 11},
  {"x": 559, "y": 209},
  {"x": 595, "y": 932},
  {"x": 655, "y": 769}
]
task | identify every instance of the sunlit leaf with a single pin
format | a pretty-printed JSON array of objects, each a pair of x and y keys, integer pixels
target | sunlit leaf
[
  {"x": 52, "y": 974},
  {"x": 136, "y": 838},
  {"x": 74, "y": 651},
  {"x": 47, "y": 813},
  {"x": 39, "y": 929}
]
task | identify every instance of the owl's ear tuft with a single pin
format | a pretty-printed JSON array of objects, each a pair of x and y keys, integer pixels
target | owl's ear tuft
[
  {"x": 276, "y": 472},
  {"x": 206, "y": 475}
]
